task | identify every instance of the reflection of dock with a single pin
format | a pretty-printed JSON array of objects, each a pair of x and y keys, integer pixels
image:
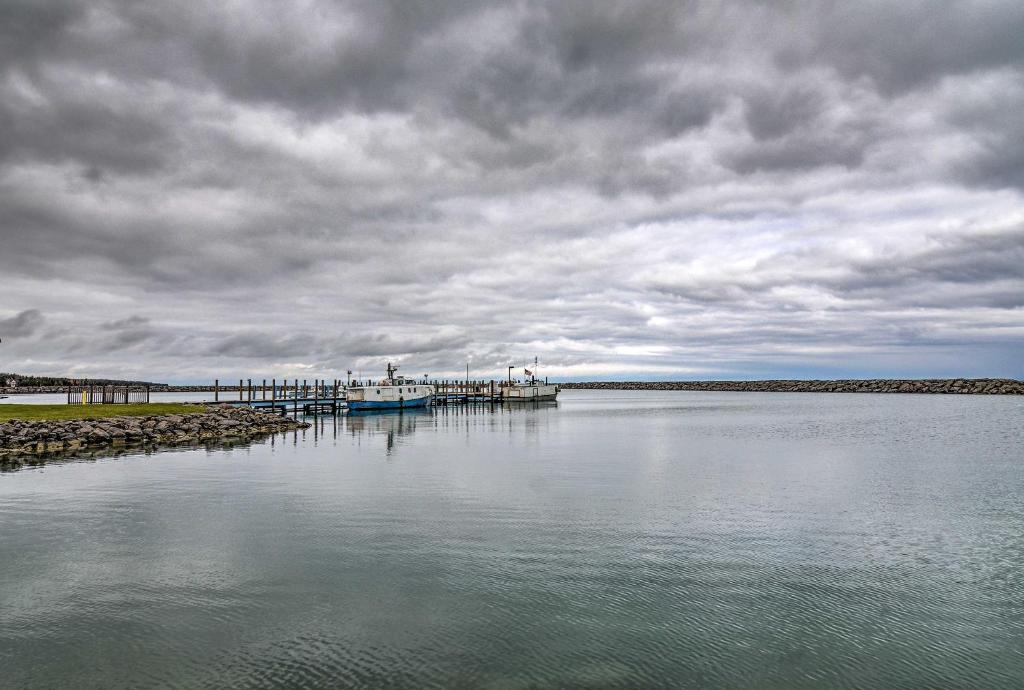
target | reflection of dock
[
  {"x": 313, "y": 405},
  {"x": 397, "y": 427}
]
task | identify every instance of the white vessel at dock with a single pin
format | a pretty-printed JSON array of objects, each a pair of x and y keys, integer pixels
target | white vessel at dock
[
  {"x": 530, "y": 389},
  {"x": 392, "y": 393}
]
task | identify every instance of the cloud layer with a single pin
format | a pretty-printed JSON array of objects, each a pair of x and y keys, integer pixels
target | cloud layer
[{"x": 633, "y": 189}]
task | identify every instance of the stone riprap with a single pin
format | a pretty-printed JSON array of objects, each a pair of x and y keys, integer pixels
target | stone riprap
[
  {"x": 227, "y": 390},
  {"x": 26, "y": 438},
  {"x": 951, "y": 386}
]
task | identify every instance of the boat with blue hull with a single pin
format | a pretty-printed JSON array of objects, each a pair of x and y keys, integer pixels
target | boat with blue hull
[{"x": 392, "y": 393}]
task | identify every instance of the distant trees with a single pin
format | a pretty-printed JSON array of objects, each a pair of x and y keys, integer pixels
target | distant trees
[{"x": 11, "y": 380}]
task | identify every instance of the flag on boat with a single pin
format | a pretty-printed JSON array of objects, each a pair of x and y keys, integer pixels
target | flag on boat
[{"x": 528, "y": 372}]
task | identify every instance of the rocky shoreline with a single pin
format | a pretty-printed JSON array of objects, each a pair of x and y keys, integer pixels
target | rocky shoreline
[
  {"x": 950, "y": 386},
  {"x": 932, "y": 386},
  {"x": 154, "y": 388},
  {"x": 21, "y": 440}
]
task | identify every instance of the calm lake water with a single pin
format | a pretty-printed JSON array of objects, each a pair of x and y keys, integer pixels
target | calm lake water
[{"x": 616, "y": 540}]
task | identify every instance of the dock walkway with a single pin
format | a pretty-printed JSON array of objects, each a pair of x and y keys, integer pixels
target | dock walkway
[{"x": 328, "y": 396}]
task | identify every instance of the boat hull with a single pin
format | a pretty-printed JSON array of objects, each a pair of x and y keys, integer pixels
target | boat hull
[
  {"x": 383, "y": 396},
  {"x": 536, "y": 398},
  {"x": 530, "y": 393},
  {"x": 357, "y": 405}
]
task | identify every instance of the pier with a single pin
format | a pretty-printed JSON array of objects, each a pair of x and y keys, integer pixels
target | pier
[
  {"x": 290, "y": 396},
  {"x": 323, "y": 396},
  {"x": 316, "y": 396}
]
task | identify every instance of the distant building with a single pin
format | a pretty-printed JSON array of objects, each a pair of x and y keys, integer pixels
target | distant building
[{"x": 11, "y": 383}]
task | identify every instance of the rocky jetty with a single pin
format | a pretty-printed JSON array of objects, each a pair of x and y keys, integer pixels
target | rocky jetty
[
  {"x": 27, "y": 438},
  {"x": 950, "y": 386},
  {"x": 226, "y": 390},
  {"x": 31, "y": 390}
]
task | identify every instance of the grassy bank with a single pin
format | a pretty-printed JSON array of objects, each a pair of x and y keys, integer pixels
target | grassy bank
[{"x": 58, "y": 412}]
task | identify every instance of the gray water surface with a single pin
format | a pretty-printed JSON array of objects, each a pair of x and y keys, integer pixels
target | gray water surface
[{"x": 614, "y": 540}]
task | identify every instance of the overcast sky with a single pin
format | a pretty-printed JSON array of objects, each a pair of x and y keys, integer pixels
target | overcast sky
[{"x": 624, "y": 190}]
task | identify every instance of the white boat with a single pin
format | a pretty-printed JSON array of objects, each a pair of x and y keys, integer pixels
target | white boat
[
  {"x": 530, "y": 389},
  {"x": 389, "y": 394}
]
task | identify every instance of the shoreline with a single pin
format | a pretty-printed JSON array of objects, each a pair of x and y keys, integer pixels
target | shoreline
[
  {"x": 926, "y": 386},
  {"x": 22, "y": 442},
  {"x": 956, "y": 386}
]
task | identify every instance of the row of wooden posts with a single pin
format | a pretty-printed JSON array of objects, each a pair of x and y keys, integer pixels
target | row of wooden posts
[
  {"x": 326, "y": 390},
  {"x": 107, "y": 395},
  {"x": 290, "y": 389},
  {"x": 247, "y": 392}
]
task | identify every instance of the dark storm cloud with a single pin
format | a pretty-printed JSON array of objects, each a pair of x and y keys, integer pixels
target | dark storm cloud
[
  {"x": 905, "y": 45},
  {"x": 127, "y": 324},
  {"x": 71, "y": 124},
  {"x": 30, "y": 29},
  {"x": 128, "y": 332},
  {"x": 986, "y": 262},
  {"x": 261, "y": 345},
  {"x": 771, "y": 114},
  {"x": 799, "y": 152},
  {"x": 992, "y": 118},
  {"x": 974, "y": 259},
  {"x": 623, "y": 186},
  {"x": 21, "y": 325}
]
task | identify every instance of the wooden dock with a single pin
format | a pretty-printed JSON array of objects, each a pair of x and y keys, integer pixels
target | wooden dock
[{"x": 323, "y": 396}]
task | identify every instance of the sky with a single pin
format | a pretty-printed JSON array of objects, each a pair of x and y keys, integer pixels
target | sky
[{"x": 634, "y": 190}]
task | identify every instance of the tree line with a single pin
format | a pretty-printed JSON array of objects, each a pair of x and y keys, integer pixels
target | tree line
[{"x": 21, "y": 380}]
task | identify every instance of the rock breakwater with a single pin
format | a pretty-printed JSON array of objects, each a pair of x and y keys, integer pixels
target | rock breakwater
[
  {"x": 948, "y": 386},
  {"x": 27, "y": 438}
]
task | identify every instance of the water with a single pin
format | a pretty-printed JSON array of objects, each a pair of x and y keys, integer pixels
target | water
[{"x": 616, "y": 540}]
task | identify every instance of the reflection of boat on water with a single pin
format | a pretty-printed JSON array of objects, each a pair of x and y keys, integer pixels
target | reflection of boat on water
[
  {"x": 393, "y": 424},
  {"x": 531, "y": 389},
  {"x": 389, "y": 394},
  {"x": 535, "y": 404},
  {"x": 385, "y": 420}
]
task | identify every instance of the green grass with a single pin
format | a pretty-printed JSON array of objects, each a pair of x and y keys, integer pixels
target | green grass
[{"x": 44, "y": 412}]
